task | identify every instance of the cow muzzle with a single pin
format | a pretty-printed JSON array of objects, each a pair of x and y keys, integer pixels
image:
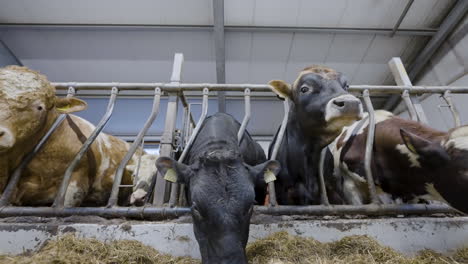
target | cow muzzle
[
  {"x": 7, "y": 141},
  {"x": 343, "y": 106}
]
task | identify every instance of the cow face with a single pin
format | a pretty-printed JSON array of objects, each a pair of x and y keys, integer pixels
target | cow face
[
  {"x": 446, "y": 163},
  {"x": 221, "y": 193},
  {"x": 27, "y": 104},
  {"x": 320, "y": 101}
]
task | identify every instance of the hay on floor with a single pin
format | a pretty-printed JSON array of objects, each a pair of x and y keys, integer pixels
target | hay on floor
[{"x": 279, "y": 248}]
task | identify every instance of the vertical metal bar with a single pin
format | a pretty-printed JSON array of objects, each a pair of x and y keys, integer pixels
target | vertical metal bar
[
  {"x": 136, "y": 143},
  {"x": 60, "y": 198},
  {"x": 402, "y": 79},
  {"x": 175, "y": 186},
  {"x": 247, "y": 115},
  {"x": 15, "y": 177},
  {"x": 402, "y": 16},
  {"x": 166, "y": 149},
  {"x": 456, "y": 115},
  {"x": 369, "y": 147},
  {"x": 279, "y": 139},
  {"x": 409, "y": 105},
  {"x": 323, "y": 189},
  {"x": 220, "y": 53}
]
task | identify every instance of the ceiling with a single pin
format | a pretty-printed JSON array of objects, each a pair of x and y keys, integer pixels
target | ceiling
[{"x": 135, "y": 41}]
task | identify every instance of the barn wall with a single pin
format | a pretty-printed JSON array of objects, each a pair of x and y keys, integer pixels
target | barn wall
[{"x": 449, "y": 66}]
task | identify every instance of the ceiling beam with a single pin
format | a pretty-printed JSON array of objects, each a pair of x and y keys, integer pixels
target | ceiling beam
[
  {"x": 7, "y": 57},
  {"x": 456, "y": 14},
  {"x": 273, "y": 29},
  {"x": 402, "y": 16},
  {"x": 220, "y": 54}
]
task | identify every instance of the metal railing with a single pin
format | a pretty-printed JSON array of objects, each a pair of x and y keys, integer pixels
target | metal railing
[{"x": 166, "y": 197}]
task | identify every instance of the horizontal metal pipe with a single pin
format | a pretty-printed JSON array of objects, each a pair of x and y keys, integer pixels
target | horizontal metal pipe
[
  {"x": 369, "y": 209},
  {"x": 168, "y": 87},
  {"x": 161, "y": 213},
  {"x": 273, "y": 29}
]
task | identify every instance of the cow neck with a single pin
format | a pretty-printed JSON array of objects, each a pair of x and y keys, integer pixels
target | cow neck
[
  {"x": 22, "y": 148},
  {"x": 311, "y": 145}
]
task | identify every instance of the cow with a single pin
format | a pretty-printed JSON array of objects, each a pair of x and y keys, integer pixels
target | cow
[
  {"x": 28, "y": 108},
  {"x": 319, "y": 107},
  {"x": 410, "y": 161},
  {"x": 220, "y": 176}
]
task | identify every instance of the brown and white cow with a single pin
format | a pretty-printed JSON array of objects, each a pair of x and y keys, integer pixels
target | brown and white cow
[
  {"x": 28, "y": 108},
  {"x": 410, "y": 160}
]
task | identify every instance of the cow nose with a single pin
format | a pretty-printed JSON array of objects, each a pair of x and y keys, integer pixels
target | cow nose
[
  {"x": 6, "y": 139},
  {"x": 339, "y": 103},
  {"x": 345, "y": 105}
]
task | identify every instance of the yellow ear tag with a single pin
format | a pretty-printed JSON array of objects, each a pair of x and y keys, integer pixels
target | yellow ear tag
[
  {"x": 170, "y": 175},
  {"x": 409, "y": 145},
  {"x": 63, "y": 108},
  {"x": 269, "y": 176}
]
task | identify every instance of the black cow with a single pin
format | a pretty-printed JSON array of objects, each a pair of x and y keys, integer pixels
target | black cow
[
  {"x": 320, "y": 107},
  {"x": 410, "y": 161},
  {"x": 220, "y": 176}
]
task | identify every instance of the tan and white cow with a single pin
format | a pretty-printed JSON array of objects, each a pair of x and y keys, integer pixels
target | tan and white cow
[{"x": 28, "y": 108}]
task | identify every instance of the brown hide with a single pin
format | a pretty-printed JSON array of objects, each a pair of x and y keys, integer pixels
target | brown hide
[{"x": 29, "y": 107}]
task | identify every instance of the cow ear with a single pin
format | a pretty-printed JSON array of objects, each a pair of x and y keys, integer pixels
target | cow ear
[
  {"x": 173, "y": 170},
  {"x": 266, "y": 171},
  {"x": 281, "y": 88},
  {"x": 69, "y": 105},
  {"x": 429, "y": 150}
]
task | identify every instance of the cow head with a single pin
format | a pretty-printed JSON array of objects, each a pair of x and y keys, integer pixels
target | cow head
[
  {"x": 320, "y": 101},
  {"x": 446, "y": 163},
  {"x": 27, "y": 105},
  {"x": 221, "y": 193}
]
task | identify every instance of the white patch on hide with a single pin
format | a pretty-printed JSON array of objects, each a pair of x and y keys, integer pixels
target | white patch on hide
[
  {"x": 458, "y": 143},
  {"x": 14, "y": 83},
  {"x": 434, "y": 194},
  {"x": 412, "y": 157},
  {"x": 73, "y": 196}
]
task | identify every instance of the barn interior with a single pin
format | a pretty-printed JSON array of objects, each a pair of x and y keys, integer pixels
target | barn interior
[{"x": 246, "y": 43}]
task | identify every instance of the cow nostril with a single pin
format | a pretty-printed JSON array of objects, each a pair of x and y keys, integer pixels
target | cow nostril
[
  {"x": 2, "y": 133},
  {"x": 339, "y": 103}
]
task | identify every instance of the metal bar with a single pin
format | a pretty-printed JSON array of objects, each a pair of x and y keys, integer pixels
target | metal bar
[
  {"x": 7, "y": 57},
  {"x": 402, "y": 16},
  {"x": 247, "y": 115},
  {"x": 177, "y": 68},
  {"x": 166, "y": 149},
  {"x": 161, "y": 213},
  {"x": 320, "y": 30},
  {"x": 60, "y": 198},
  {"x": 409, "y": 105},
  {"x": 369, "y": 147},
  {"x": 453, "y": 109},
  {"x": 175, "y": 186},
  {"x": 220, "y": 53},
  {"x": 274, "y": 153},
  {"x": 323, "y": 189},
  {"x": 401, "y": 78},
  {"x": 167, "y": 87},
  {"x": 120, "y": 170}
]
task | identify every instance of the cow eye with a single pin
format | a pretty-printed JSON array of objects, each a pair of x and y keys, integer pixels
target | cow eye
[
  {"x": 39, "y": 108},
  {"x": 304, "y": 89},
  {"x": 346, "y": 86}
]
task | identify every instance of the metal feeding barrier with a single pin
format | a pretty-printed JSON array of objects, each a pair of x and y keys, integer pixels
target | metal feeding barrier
[{"x": 167, "y": 198}]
